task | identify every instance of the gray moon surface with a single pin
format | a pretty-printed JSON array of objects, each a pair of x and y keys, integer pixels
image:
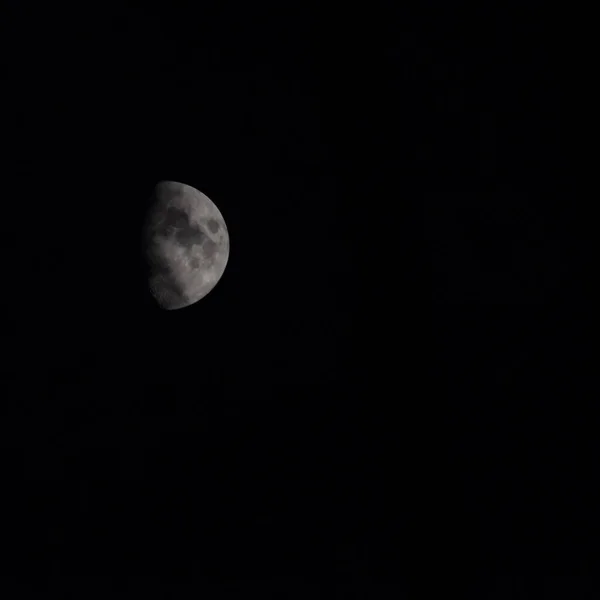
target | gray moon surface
[{"x": 185, "y": 244}]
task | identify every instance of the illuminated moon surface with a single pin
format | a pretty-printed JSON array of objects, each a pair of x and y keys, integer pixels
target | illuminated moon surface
[{"x": 185, "y": 245}]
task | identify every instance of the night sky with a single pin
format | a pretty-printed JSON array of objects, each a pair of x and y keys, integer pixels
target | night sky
[{"x": 388, "y": 390}]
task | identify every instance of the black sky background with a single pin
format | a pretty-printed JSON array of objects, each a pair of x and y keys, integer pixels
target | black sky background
[{"x": 389, "y": 385}]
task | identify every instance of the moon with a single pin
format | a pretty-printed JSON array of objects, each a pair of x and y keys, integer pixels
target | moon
[{"x": 185, "y": 244}]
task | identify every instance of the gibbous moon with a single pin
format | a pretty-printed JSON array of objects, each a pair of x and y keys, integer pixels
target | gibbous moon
[{"x": 185, "y": 245}]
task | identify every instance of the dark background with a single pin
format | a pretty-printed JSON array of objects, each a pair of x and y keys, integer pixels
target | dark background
[{"x": 389, "y": 388}]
